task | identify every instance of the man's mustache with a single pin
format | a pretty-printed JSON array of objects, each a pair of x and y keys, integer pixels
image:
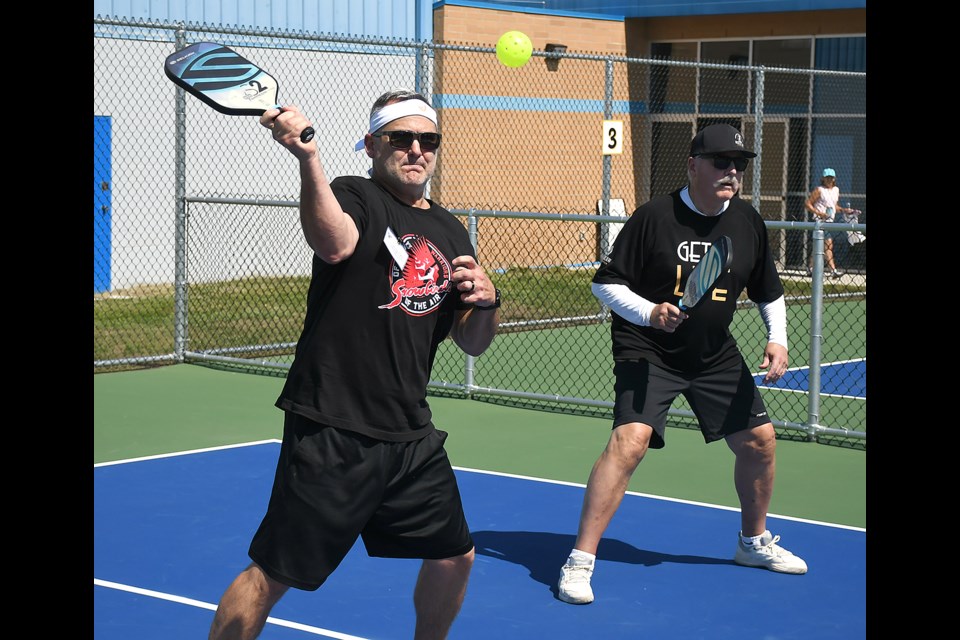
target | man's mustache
[{"x": 728, "y": 180}]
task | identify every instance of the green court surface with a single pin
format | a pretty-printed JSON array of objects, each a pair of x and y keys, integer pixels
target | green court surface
[
  {"x": 185, "y": 407},
  {"x": 575, "y": 362}
]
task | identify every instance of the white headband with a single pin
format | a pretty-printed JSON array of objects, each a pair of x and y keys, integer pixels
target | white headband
[{"x": 396, "y": 110}]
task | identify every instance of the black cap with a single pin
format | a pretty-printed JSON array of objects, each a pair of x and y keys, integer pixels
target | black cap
[{"x": 719, "y": 138}]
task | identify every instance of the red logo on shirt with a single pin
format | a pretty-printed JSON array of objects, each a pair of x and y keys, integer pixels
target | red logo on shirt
[{"x": 422, "y": 284}]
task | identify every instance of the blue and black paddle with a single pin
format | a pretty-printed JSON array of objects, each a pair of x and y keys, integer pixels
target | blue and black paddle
[{"x": 225, "y": 80}]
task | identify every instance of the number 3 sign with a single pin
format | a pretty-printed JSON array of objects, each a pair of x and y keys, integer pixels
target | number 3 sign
[{"x": 612, "y": 137}]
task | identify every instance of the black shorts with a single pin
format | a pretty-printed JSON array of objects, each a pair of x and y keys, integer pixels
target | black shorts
[
  {"x": 724, "y": 401},
  {"x": 333, "y": 485}
]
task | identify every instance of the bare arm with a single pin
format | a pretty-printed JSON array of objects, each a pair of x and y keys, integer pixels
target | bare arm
[
  {"x": 329, "y": 231},
  {"x": 474, "y": 329},
  {"x": 848, "y": 210},
  {"x": 811, "y": 200}
]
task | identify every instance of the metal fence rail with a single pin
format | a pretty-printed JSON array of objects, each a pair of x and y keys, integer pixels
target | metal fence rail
[{"x": 199, "y": 255}]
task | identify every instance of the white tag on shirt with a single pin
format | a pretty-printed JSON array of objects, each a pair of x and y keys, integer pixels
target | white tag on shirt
[{"x": 395, "y": 248}]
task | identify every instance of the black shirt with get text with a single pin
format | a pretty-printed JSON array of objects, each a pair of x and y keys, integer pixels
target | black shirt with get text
[{"x": 653, "y": 255}]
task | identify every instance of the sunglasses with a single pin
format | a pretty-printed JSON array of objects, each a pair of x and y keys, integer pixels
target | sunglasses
[
  {"x": 723, "y": 162},
  {"x": 399, "y": 139}
]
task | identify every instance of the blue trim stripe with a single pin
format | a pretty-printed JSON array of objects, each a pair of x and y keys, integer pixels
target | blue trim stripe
[
  {"x": 547, "y": 105},
  {"x": 565, "y": 105},
  {"x": 623, "y": 9}
]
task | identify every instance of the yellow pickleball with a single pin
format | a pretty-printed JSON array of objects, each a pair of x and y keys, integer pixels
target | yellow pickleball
[{"x": 514, "y": 49}]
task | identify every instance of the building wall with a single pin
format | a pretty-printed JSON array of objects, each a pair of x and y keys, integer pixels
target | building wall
[
  {"x": 557, "y": 169},
  {"x": 416, "y": 19},
  {"x": 659, "y": 8},
  {"x": 456, "y": 24},
  {"x": 555, "y": 162},
  {"x": 640, "y": 32},
  {"x": 475, "y": 23},
  {"x": 478, "y": 95},
  {"x": 401, "y": 19}
]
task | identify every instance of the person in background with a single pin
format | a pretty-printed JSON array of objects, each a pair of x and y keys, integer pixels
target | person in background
[
  {"x": 823, "y": 204},
  {"x": 661, "y": 352}
]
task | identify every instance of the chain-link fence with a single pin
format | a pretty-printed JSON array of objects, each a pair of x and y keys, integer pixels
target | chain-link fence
[{"x": 198, "y": 253}]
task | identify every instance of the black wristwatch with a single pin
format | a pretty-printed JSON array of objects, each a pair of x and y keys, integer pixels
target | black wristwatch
[{"x": 495, "y": 305}]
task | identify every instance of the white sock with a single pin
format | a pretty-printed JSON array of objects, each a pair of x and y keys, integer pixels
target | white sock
[
  {"x": 582, "y": 557},
  {"x": 751, "y": 541}
]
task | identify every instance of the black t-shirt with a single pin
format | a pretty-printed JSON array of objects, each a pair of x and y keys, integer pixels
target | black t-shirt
[
  {"x": 372, "y": 330},
  {"x": 653, "y": 255}
]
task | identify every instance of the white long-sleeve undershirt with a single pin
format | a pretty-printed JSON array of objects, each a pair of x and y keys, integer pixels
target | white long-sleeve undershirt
[
  {"x": 774, "y": 316},
  {"x": 636, "y": 309},
  {"x": 630, "y": 306}
]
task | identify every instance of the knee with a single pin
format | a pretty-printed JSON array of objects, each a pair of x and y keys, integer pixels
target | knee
[
  {"x": 629, "y": 443},
  {"x": 265, "y": 588},
  {"x": 759, "y": 443}
]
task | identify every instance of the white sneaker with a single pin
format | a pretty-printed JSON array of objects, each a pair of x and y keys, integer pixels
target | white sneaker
[
  {"x": 767, "y": 554},
  {"x": 574, "y": 585}
]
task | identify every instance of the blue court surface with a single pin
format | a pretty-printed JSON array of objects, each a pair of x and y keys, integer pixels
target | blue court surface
[
  {"x": 171, "y": 533},
  {"x": 840, "y": 379}
]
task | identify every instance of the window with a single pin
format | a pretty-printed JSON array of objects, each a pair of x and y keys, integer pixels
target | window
[
  {"x": 724, "y": 90},
  {"x": 784, "y": 92},
  {"x": 672, "y": 89}
]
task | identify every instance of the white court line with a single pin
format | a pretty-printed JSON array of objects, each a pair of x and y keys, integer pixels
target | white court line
[
  {"x": 505, "y": 475},
  {"x": 664, "y": 498},
  {"x": 280, "y": 622},
  {"x": 822, "y": 395},
  {"x": 183, "y": 453},
  {"x": 807, "y": 368}
]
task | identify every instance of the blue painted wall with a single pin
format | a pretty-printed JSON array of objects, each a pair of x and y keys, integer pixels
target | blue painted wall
[
  {"x": 395, "y": 19},
  {"x": 413, "y": 19}
]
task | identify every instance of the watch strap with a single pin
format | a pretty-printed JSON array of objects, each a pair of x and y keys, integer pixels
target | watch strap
[{"x": 495, "y": 305}]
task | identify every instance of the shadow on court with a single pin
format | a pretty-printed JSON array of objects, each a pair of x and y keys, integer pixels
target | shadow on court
[{"x": 539, "y": 551}]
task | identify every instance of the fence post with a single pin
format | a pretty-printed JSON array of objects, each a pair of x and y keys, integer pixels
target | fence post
[
  {"x": 816, "y": 333},
  {"x": 757, "y": 140},
  {"x": 607, "y": 114},
  {"x": 180, "y": 328}
]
